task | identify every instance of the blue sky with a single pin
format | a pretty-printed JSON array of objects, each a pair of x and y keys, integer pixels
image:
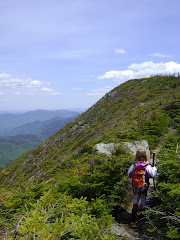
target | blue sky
[{"x": 68, "y": 53}]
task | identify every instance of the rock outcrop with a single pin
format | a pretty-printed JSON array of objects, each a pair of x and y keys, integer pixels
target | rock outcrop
[
  {"x": 104, "y": 148},
  {"x": 132, "y": 146}
]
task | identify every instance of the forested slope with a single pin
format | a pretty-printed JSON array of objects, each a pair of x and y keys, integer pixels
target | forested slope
[
  {"x": 14, "y": 146},
  {"x": 73, "y": 192}
]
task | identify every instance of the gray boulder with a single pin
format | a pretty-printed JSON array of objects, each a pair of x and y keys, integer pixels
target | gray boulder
[
  {"x": 119, "y": 231},
  {"x": 132, "y": 146},
  {"x": 104, "y": 148}
]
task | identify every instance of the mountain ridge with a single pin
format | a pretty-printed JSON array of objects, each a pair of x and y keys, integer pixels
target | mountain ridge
[
  {"x": 110, "y": 112},
  {"x": 62, "y": 175}
]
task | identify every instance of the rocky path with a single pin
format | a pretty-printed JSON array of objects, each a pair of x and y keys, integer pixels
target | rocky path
[{"x": 124, "y": 227}]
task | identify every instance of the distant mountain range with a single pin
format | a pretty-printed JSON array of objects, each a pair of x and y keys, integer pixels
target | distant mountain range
[
  {"x": 42, "y": 129},
  {"x": 61, "y": 188},
  {"x": 21, "y": 132},
  {"x": 9, "y": 122}
]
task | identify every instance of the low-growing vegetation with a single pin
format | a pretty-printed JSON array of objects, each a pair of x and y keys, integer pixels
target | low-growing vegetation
[{"x": 61, "y": 190}]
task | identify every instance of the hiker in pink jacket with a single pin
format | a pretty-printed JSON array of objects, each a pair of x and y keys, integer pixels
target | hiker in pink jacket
[{"x": 143, "y": 168}]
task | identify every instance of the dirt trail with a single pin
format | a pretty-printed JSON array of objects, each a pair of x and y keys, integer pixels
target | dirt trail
[{"x": 123, "y": 224}]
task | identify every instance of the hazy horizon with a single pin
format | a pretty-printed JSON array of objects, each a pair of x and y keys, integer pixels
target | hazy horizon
[{"x": 32, "y": 110}]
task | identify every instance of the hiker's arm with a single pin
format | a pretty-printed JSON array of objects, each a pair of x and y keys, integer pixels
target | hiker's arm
[
  {"x": 130, "y": 171},
  {"x": 152, "y": 171}
]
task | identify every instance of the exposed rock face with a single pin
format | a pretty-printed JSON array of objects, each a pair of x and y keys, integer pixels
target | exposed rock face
[
  {"x": 132, "y": 146},
  {"x": 104, "y": 148}
]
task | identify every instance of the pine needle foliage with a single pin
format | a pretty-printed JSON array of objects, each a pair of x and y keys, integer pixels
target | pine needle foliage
[{"x": 61, "y": 190}]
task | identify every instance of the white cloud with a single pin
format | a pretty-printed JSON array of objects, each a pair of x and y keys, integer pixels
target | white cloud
[
  {"x": 76, "y": 89},
  {"x": 99, "y": 92},
  {"x": 102, "y": 90},
  {"x": 4, "y": 75},
  {"x": 45, "y": 89},
  {"x": 94, "y": 94},
  {"x": 141, "y": 70},
  {"x": 55, "y": 93},
  {"x": 161, "y": 55},
  {"x": 120, "y": 51},
  {"x": 1, "y": 94},
  {"x": 23, "y": 85},
  {"x": 36, "y": 82},
  {"x": 12, "y": 82}
]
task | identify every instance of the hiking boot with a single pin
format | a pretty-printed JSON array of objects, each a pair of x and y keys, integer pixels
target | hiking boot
[{"x": 134, "y": 214}]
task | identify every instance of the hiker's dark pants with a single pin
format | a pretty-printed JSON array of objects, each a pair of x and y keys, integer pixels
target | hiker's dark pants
[{"x": 137, "y": 197}]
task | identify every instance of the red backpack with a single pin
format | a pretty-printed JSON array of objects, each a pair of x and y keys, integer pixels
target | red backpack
[{"x": 138, "y": 180}]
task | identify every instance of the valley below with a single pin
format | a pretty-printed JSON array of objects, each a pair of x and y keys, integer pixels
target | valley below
[
  {"x": 21, "y": 132},
  {"x": 74, "y": 184}
]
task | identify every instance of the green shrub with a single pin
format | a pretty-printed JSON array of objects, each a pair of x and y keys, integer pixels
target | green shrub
[
  {"x": 165, "y": 216},
  {"x": 66, "y": 219}
]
